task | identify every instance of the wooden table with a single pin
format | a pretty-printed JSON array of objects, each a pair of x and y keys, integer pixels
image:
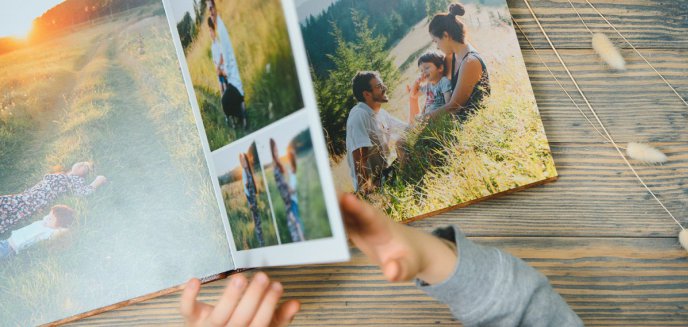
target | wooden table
[{"x": 605, "y": 244}]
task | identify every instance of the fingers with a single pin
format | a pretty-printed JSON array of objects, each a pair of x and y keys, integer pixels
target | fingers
[
  {"x": 251, "y": 300},
  {"x": 360, "y": 216},
  {"x": 194, "y": 312},
  {"x": 188, "y": 300},
  {"x": 228, "y": 301},
  {"x": 286, "y": 313},
  {"x": 265, "y": 312}
]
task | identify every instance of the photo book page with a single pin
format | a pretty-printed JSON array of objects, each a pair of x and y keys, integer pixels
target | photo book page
[{"x": 144, "y": 142}]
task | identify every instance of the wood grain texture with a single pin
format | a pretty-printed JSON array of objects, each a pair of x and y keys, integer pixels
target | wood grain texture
[
  {"x": 607, "y": 281},
  {"x": 634, "y": 105},
  {"x": 605, "y": 245},
  {"x": 658, "y": 24}
]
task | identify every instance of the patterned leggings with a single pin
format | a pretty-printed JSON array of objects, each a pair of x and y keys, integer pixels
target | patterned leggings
[{"x": 257, "y": 223}]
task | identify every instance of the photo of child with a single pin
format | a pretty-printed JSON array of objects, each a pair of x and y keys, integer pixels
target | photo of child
[
  {"x": 95, "y": 116},
  {"x": 241, "y": 64},
  {"x": 286, "y": 151},
  {"x": 54, "y": 224},
  {"x": 427, "y": 112},
  {"x": 245, "y": 196}
]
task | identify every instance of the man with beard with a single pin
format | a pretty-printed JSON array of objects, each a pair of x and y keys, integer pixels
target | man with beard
[{"x": 371, "y": 132}]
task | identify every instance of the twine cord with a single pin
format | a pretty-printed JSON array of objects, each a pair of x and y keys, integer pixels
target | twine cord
[
  {"x": 637, "y": 52},
  {"x": 559, "y": 82},
  {"x": 594, "y": 113}
]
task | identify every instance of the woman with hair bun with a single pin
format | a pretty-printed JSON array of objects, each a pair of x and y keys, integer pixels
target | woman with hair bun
[{"x": 469, "y": 77}]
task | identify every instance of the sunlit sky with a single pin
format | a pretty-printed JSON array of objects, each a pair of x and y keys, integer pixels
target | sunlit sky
[{"x": 16, "y": 16}]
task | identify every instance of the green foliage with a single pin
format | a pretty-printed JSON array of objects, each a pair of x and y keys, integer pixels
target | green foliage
[
  {"x": 334, "y": 93},
  {"x": 187, "y": 30},
  {"x": 433, "y": 7},
  {"x": 500, "y": 147},
  {"x": 391, "y": 19},
  {"x": 310, "y": 199},
  {"x": 266, "y": 66}
]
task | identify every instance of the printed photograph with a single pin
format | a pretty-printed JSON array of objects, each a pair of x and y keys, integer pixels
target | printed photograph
[
  {"x": 246, "y": 197},
  {"x": 294, "y": 182},
  {"x": 103, "y": 183},
  {"x": 241, "y": 64},
  {"x": 425, "y": 104}
]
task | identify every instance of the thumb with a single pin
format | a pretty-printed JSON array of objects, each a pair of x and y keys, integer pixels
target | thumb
[{"x": 393, "y": 270}]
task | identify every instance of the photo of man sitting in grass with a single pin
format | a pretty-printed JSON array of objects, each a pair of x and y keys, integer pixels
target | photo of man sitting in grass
[{"x": 426, "y": 104}]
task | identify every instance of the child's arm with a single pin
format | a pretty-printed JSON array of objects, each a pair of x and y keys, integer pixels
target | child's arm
[
  {"x": 483, "y": 286},
  {"x": 241, "y": 304},
  {"x": 413, "y": 91}
]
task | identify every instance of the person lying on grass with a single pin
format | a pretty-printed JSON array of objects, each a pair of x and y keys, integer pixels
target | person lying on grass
[
  {"x": 432, "y": 82},
  {"x": 17, "y": 207},
  {"x": 483, "y": 286},
  {"x": 51, "y": 226}
]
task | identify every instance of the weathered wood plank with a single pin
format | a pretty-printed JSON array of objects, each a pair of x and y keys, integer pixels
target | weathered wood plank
[
  {"x": 634, "y": 105},
  {"x": 595, "y": 195},
  {"x": 629, "y": 281},
  {"x": 658, "y": 24}
]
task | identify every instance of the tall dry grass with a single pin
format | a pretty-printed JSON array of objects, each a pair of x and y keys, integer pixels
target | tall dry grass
[
  {"x": 503, "y": 146},
  {"x": 266, "y": 65},
  {"x": 156, "y": 223}
]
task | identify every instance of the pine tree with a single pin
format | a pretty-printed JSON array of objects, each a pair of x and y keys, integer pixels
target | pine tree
[
  {"x": 433, "y": 7},
  {"x": 334, "y": 93}
]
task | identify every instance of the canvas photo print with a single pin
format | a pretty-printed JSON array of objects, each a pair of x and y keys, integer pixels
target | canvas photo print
[
  {"x": 241, "y": 64},
  {"x": 103, "y": 184},
  {"x": 425, "y": 104}
]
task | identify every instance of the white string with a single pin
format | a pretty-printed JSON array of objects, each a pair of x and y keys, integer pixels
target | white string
[
  {"x": 638, "y": 52},
  {"x": 606, "y": 132},
  {"x": 560, "y": 84},
  {"x": 579, "y": 17}
]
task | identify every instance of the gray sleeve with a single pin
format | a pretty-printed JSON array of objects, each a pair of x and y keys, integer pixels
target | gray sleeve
[{"x": 492, "y": 288}]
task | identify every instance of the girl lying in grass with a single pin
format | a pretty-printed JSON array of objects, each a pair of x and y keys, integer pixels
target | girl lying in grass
[{"x": 17, "y": 207}]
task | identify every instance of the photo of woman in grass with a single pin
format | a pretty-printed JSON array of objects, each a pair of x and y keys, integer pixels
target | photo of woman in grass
[
  {"x": 15, "y": 208},
  {"x": 287, "y": 191},
  {"x": 439, "y": 110},
  {"x": 248, "y": 181},
  {"x": 245, "y": 195},
  {"x": 241, "y": 64},
  {"x": 286, "y": 152}
]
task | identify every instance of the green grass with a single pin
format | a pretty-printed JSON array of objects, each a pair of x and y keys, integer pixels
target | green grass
[
  {"x": 156, "y": 222},
  {"x": 501, "y": 147},
  {"x": 266, "y": 65},
  {"x": 241, "y": 219},
  {"x": 311, "y": 201}
]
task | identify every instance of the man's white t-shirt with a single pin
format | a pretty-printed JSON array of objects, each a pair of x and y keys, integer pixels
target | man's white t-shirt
[
  {"x": 230, "y": 65},
  {"x": 378, "y": 132}
]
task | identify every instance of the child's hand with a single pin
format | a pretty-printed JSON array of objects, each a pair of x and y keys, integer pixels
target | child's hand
[
  {"x": 100, "y": 180},
  {"x": 403, "y": 253},
  {"x": 414, "y": 89},
  {"x": 241, "y": 304}
]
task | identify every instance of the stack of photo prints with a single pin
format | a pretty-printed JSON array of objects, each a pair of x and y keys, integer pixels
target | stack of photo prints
[{"x": 144, "y": 142}]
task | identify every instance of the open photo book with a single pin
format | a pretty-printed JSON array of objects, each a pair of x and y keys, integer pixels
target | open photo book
[{"x": 145, "y": 142}]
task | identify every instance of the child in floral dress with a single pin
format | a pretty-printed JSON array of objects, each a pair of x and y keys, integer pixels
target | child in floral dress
[{"x": 15, "y": 208}]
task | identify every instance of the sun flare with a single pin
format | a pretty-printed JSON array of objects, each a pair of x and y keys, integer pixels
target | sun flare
[{"x": 16, "y": 17}]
